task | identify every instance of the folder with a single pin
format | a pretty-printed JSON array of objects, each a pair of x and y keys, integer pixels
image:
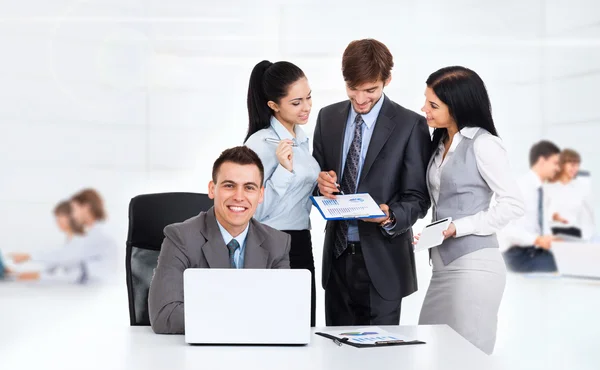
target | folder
[
  {"x": 368, "y": 337},
  {"x": 347, "y": 207}
]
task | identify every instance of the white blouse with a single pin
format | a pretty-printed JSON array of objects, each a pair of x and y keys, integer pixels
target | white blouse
[
  {"x": 573, "y": 202},
  {"x": 493, "y": 165}
]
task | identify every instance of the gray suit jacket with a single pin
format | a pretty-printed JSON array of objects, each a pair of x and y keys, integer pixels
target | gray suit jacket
[{"x": 198, "y": 243}]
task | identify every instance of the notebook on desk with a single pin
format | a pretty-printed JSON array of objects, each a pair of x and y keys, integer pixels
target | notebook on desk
[
  {"x": 247, "y": 306},
  {"x": 577, "y": 259}
]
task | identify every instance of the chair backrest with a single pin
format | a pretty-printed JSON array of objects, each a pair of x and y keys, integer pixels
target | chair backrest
[{"x": 148, "y": 216}]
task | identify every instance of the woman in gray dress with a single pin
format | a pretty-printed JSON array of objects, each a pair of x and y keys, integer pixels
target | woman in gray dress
[{"x": 469, "y": 164}]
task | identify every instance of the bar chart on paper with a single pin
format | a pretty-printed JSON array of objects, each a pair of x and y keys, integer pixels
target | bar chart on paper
[
  {"x": 369, "y": 335},
  {"x": 348, "y": 206}
]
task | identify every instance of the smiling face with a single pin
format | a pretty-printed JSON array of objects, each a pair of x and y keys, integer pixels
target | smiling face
[
  {"x": 548, "y": 167},
  {"x": 364, "y": 96},
  {"x": 294, "y": 108},
  {"x": 571, "y": 169},
  {"x": 236, "y": 194},
  {"x": 436, "y": 112}
]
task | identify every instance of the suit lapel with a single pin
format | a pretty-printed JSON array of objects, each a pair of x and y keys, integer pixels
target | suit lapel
[
  {"x": 338, "y": 130},
  {"x": 215, "y": 251},
  {"x": 255, "y": 256},
  {"x": 431, "y": 161},
  {"x": 381, "y": 133}
]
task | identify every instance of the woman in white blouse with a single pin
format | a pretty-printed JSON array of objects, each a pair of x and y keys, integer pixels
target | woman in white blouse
[
  {"x": 570, "y": 199},
  {"x": 468, "y": 166},
  {"x": 279, "y": 103}
]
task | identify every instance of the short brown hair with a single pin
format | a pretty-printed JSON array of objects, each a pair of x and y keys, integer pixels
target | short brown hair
[
  {"x": 544, "y": 149},
  {"x": 94, "y": 200},
  {"x": 239, "y": 155},
  {"x": 366, "y": 60},
  {"x": 64, "y": 209}
]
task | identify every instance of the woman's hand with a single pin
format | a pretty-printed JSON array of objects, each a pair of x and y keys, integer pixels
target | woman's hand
[
  {"x": 416, "y": 241},
  {"x": 285, "y": 154},
  {"x": 450, "y": 231}
]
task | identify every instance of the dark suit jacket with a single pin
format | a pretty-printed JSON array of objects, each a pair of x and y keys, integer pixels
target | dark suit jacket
[
  {"x": 198, "y": 243},
  {"x": 393, "y": 173}
]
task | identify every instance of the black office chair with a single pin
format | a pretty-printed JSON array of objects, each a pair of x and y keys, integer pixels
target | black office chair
[{"x": 148, "y": 216}]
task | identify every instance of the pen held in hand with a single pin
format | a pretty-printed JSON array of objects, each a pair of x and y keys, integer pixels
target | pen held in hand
[
  {"x": 336, "y": 184},
  {"x": 275, "y": 141}
]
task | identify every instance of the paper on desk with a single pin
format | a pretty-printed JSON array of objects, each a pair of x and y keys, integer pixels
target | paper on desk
[
  {"x": 348, "y": 206},
  {"x": 368, "y": 335}
]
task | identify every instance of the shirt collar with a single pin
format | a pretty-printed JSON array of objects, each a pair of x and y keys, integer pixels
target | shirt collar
[
  {"x": 535, "y": 178},
  {"x": 283, "y": 133},
  {"x": 469, "y": 132},
  {"x": 369, "y": 118},
  {"x": 241, "y": 239}
]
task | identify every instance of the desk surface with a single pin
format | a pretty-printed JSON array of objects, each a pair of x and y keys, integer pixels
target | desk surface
[{"x": 71, "y": 327}]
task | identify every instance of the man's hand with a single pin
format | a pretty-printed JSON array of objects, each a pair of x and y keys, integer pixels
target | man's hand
[
  {"x": 327, "y": 181},
  {"x": 20, "y": 257},
  {"x": 556, "y": 217},
  {"x": 385, "y": 209},
  {"x": 545, "y": 241}
]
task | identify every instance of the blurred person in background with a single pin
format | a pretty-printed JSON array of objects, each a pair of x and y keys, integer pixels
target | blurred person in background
[
  {"x": 93, "y": 254},
  {"x": 570, "y": 199},
  {"x": 72, "y": 230},
  {"x": 279, "y": 102},
  {"x": 529, "y": 237}
]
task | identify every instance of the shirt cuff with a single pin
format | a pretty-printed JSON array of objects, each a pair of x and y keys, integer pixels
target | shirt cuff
[
  {"x": 390, "y": 227},
  {"x": 463, "y": 227},
  {"x": 281, "y": 179}
]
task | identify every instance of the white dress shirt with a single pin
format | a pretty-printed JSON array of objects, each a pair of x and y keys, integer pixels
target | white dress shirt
[
  {"x": 493, "y": 165},
  {"x": 573, "y": 202},
  {"x": 89, "y": 258},
  {"x": 240, "y": 253},
  {"x": 524, "y": 231}
]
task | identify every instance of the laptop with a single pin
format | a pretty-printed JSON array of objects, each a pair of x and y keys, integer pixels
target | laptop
[
  {"x": 247, "y": 306},
  {"x": 577, "y": 259}
]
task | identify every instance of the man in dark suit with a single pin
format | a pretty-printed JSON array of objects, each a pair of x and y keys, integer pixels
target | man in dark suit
[
  {"x": 382, "y": 149},
  {"x": 225, "y": 236}
]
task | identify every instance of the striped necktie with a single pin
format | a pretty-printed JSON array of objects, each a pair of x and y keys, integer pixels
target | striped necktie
[{"x": 348, "y": 185}]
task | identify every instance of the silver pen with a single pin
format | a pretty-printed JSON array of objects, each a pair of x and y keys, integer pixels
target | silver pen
[
  {"x": 275, "y": 141},
  {"x": 336, "y": 184}
]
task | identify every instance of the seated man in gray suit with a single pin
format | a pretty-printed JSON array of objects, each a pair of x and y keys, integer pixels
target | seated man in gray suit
[{"x": 225, "y": 236}]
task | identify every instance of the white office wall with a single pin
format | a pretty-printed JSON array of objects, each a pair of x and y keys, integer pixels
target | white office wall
[
  {"x": 138, "y": 96},
  {"x": 571, "y": 67}
]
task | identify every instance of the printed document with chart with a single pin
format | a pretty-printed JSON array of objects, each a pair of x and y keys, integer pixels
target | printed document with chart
[{"x": 349, "y": 206}]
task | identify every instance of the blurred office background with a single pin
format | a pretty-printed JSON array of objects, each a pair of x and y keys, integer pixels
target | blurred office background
[{"x": 140, "y": 96}]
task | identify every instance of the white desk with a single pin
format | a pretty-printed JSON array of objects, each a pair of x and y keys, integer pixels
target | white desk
[{"x": 70, "y": 327}]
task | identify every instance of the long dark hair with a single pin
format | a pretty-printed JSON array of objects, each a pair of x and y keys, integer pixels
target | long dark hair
[
  {"x": 464, "y": 92},
  {"x": 268, "y": 82}
]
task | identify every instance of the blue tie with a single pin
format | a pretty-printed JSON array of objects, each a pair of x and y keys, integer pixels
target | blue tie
[
  {"x": 233, "y": 245},
  {"x": 541, "y": 209},
  {"x": 348, "y": 185}
]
